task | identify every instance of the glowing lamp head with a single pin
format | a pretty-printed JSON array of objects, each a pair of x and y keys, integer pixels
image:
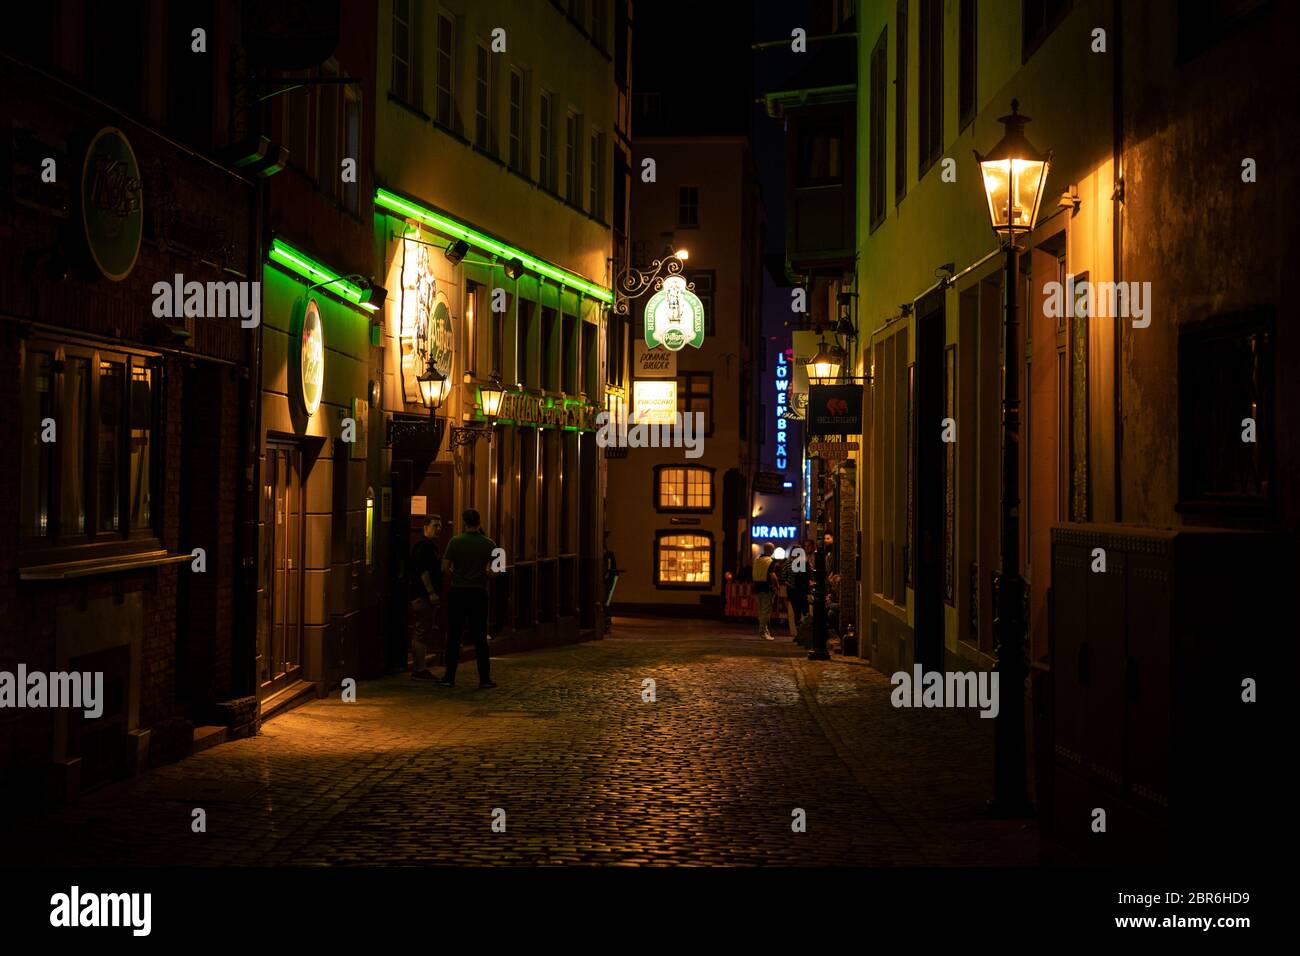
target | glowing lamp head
[
  {"x": 1015, "y": 173},
  {"x": 490, "y": 396},
  {"x": 824, "y": 367},
  {"x": 433, "y": 387}
]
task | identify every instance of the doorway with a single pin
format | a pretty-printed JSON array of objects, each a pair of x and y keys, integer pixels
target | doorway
[{"x": 280, "y": 591}]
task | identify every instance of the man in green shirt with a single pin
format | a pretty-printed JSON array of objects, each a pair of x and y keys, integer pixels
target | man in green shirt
[{"x": 468, "y": 561}]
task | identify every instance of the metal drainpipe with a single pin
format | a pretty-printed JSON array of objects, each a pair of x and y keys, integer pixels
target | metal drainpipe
[{"x": 1117, "y": 239}]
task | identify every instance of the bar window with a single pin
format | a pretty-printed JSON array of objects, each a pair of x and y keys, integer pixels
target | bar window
[
  {"x": 96, "y": 479},
  {"x": 687, "y": 488},
  {"x": 683, "y": 560}
]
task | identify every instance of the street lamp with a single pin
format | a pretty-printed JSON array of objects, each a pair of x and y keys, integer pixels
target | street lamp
[
  {"x": 434, "y": 387},
  {"x": 824, "y": 367},
  {"x": 490, "y": 396},
  {"x": 1014, "y": 174}
]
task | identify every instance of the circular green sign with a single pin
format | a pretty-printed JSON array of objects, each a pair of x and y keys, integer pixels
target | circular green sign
[{"x": 112, "y": 204}]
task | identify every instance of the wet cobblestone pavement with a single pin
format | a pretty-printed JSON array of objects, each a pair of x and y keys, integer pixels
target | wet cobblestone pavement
[{"x": 742, "y": 733}]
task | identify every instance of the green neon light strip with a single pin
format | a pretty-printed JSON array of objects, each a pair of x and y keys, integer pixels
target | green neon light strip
[
  {"x": 286, "y": 255},
  {"x": 451, "y": 227}
]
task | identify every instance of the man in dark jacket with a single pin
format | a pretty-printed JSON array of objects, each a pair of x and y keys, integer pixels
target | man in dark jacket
[{"x": 425, "y": 577}]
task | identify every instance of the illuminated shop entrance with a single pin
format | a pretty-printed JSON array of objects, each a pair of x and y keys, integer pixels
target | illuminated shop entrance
[{"x": 279, "y": 631}]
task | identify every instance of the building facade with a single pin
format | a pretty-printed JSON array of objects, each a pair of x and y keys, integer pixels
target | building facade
[
  {"x": 496, "y": 200},
  {"x": 1153, "y": 420},
  {"x": 120, "y": 548},
  {"x": 704, "y": 200}
]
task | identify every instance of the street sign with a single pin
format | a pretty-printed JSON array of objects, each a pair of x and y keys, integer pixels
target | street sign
[
  {"x": 831, "y": 450},
  {"x": 653, "y": 363}
]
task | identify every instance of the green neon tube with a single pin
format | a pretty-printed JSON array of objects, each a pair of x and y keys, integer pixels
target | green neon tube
[
  {"x": 451, "y": 227},
  {"x": 286, "y": 255}
]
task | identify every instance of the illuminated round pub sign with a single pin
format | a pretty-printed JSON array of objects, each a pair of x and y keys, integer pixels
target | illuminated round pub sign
[
  {"x": 112, "y": 204},
  {"x": 674, "y": 317},
  {"x": 311, "y": 358}
]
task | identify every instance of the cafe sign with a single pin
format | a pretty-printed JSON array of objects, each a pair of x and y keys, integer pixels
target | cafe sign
[
  {"x": 112, "y": 204},
  {"x": 674, "y": 317},
  {"x": 311, "y": 359},
  {"x": 524, "y": 409}
]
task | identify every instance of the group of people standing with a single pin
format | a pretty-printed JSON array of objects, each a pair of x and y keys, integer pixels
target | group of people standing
[
  {"x": 468, "y": 562},
  {"x": 791, "y": 578}
]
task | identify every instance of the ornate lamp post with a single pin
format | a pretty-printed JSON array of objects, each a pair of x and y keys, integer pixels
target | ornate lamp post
[
  {"x": 1014, "y": 174},
  {"x": 633, "y": 283},
  {"x": 490, "y": 397}
]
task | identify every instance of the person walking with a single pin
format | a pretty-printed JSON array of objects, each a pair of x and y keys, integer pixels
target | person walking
[
  {"x": 765, "y": 580},
  {"x": 468, "y": 561},
  {"x": 425, "y": 580}
]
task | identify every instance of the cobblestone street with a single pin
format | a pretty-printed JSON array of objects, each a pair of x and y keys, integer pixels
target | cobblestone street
[{"x": 742, "y": 733}]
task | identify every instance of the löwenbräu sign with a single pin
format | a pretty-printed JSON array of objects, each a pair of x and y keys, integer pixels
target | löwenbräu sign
[{"x": 835, "y": 409}]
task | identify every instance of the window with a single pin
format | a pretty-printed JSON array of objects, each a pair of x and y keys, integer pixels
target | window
[
  {"x": 683, "y": 560},
  {"x": 545, "y": 144},
  {"x": 443, "y": 109},
  {"x": 483, "y": 98},
  {"x": 95, "y": 480},
  {"x": 406, "y": 77},
  {"x": 569, "y": 355},
  {"x": 683, "y": 489},
  {"x": 820, "y": 154},
  {"x": 703, "y": 280},
  {"x": 328, "y": 137},
  {"x": 1039, "y": 18},
  {"x": 877, "y": 155},
  {"x": 929, "y": 117},
  {"x": 596, "y": 197},
  {"x": 296, "y": 110},
  {"x": 352, "y": 147},
  {"x": 550, "y": 351},
  {"x": 518, "y": 154},
  {"x": 598, "y": 27},
  {"x": 1225, "y": 375},
  {"x": 695, "y": 394},
  {"x": 572, "y": 177},
  {"x": 900, "y": 102},
  {"x": 1203, "y": 23},
  {"x": 688, "y": 207},
  {"x": 966, "y": 59}
]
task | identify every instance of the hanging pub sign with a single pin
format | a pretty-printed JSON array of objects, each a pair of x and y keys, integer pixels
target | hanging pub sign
[
  {"x": 427, "y": 334},
  {"x": 835, "y": 410},
  {"x": 310, "y": 367},
  {"x": 112, "y": 204},
  {"x": 674, "y": 317}
]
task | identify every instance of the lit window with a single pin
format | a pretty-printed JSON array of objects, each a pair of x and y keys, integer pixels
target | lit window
[
  {"x": 684, "y": 560},
  {"x": 684, "y": 489}
]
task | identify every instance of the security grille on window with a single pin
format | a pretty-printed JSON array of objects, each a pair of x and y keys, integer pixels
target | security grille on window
[
  {"x": 684, "y": 489},
  {"x": 684, "y": 559},
  {"x": 572, "y": 178},
  {"x": 483, "y": 99},
  {"x": 688, "y": 206},
  {"x": 545, "y": 145},
  {"x": 516, "y": 120},
  {"x": 443, "y": 111}
]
